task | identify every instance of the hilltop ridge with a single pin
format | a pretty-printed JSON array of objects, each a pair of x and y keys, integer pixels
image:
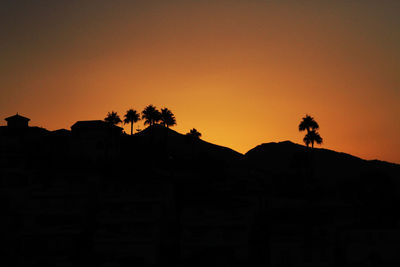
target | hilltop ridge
[{"x": 178, "y": 145}]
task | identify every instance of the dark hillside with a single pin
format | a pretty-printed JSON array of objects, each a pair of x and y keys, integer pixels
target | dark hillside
[
  {"x": 158, "y": 143},
  {"x": 327, "y": 166}
]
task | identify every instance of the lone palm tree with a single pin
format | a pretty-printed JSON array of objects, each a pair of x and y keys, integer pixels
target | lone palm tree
[
  {"x": 151, "y": 115},
  {"x": 308, "y": 123},
  {"x": 131, "y": 117},
  {"x": 311, "y": 137},
  {"x": 194, "y": 134},
  {"x": 193, "y": 137},
  {"x": 311, "y": 126},
  {"x": 167, "y": 118},
  {"x": 112, "y": 118}
]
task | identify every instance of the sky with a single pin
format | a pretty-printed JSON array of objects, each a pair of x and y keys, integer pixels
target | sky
[{"x": 242, "y": 72}]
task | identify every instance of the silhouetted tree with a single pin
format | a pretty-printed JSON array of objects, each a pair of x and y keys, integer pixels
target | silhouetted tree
[
  {"x": 193, "y": 137},
  {"x": 311, "y": 138},
  {"x": 167, "y": 118},
  {"x": 308, "y": 123},
  {"x": 131, "y": 117},
  {"x": 311, "y": 126},
  {"x": 194, "y": 133},
  {"x": 151, "y": 115},
  {"x": 112, "y": 118}
]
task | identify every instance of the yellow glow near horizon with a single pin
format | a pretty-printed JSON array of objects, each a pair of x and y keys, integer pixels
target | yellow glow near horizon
[{"x": 241, "y": 72}]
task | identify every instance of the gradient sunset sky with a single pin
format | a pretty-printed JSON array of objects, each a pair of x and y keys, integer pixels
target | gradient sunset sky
[{"x": 242, "y": 72}]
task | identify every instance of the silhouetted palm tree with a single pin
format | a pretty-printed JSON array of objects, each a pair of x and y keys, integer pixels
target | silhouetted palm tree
[
  {"x": 193, "y": 137},
  {"x": 131, "y": 117},
  {"x": 194, "y": 133},
  {"x": 151, "y": 115},
  {"x": 167, "y": 118},
  {"x": 308, "y": 123},
  {"x": 311, "y": 126},
  {"x": 112, "y": 118},
  {"x": 311, "y": 137}
]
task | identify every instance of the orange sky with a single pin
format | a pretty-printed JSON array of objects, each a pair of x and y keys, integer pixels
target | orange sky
[{"x": 242, "y": 72}]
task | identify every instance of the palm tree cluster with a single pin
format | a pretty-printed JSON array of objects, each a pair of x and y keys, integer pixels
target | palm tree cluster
[
  {"x": 150, "y": 114},
  {"x": 311, "y": 126},
  {"x": 167, "y": 118}
]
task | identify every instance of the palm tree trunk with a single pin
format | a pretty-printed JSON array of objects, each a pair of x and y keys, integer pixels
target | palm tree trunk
[{"x": 131, "y": 127}]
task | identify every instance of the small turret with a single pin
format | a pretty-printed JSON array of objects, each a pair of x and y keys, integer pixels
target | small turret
[{"x": 17, "y": 122}]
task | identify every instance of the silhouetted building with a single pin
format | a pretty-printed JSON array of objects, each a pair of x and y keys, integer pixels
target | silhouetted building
[
  {"x": 95, "y": 140},
  {"x": 20, "y": 144},
  {"x": 58, "y": 147},
  {"x": 17, "y": 121}
]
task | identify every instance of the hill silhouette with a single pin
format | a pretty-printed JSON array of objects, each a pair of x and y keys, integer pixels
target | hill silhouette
[
  {"x": 159, "y": 142},
  {"x": 297, "y": 171},
  {"x": 178, "y": 144},
  {"x": 287, "y": 156},
  {"x": 94, "y": 195}
]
